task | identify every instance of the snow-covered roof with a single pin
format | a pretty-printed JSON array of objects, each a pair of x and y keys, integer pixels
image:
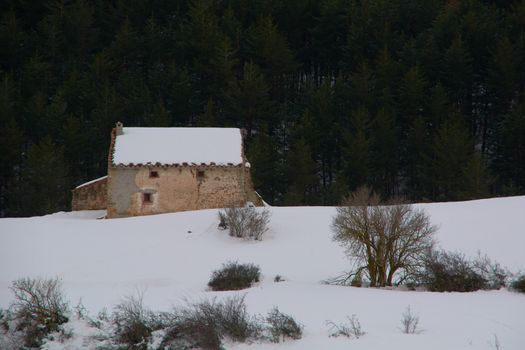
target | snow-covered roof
[
  {"x": 91, "y": 182},
  {"x": 170, "y": 146}
]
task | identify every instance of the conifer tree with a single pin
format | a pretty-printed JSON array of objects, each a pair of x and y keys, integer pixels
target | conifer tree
[
  {"x": 452, "y": 151},
  {"x": 356, "y": 151},
  {"x": 250, "y": 101},
  {"x": 417, "y": 160},
  {"x": 266, "y": 166},
  {"x": 384, "y": 146},
  {"x": 412, "y": 96},
  {"x": 510, "y": 159},
  {"x": 300, "y": 169},
  {"x": 44, "y": 186}
]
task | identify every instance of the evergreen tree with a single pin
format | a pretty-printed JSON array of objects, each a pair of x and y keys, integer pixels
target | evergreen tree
[
  {"x": 250, "y": 101},
  {"x": 477, "y": 179},
  {"x": 387, "y": 73},
  {"x": 452, "y": 151},
  {"x": 44, "y": 185},
  {"x": 362, "y": 86},
  {"x": 12, "y": 37},
  {"x": 384, "y": 155},
  {"x": 323, "y": 132},
  {"x": 439, "y": 107},
  {"x": 329, "y": 35},
  {"x": 76, "y": 147},
  {"x": 158, "y": 117},
  {"x": 356, "y": 152},
  {"x": 417, "y": 161},
  {"x": 510, "y": 158},
  {"x": 412, "y": 96},
  {"x": 273, "y": 55},
  {"x": 11, "y": 142},
  {"x": 504, "y": 80},
  {"x": 457, "y": 76},
  {"x": 265, "y": 167},
  {"x": 207, "y": 118},
  {"x": 300, "y": 169}
]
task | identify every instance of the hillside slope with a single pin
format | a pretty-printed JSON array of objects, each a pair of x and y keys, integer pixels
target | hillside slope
[{"x": 171, "y": 257}]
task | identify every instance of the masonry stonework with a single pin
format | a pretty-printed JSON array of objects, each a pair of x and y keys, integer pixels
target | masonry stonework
[
  {"x": 152, "y": 190},
  {"x": 92, "y": 196}
]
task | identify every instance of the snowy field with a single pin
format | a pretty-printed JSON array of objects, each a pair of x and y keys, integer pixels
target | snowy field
[{"x": 170, "y": 258}]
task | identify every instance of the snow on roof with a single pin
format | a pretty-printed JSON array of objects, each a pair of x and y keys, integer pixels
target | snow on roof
[
  {"x": 91, "y": 182},
  {"x": 221, "y": 146}
]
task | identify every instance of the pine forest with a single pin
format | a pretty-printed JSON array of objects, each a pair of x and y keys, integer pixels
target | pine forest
[{"x": 420, "y": 99}]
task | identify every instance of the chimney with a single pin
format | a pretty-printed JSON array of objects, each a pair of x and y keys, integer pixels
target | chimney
[{"x": 118, "y": 128}]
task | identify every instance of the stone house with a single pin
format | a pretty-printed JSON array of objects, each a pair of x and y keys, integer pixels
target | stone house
[{"x": 161, "y": 170}]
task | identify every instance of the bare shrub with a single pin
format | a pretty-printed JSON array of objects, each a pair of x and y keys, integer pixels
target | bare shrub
[
  {"x": 4, "y": 322},
  {"x": 205, "y": 324},
  {"x": 223, "y": 223},
  {"x": 131, "y": 320},
  {"x": 494, "y": 275},
  {"x": 281, "y": 326},
  {"x": 234, "y": 276},
  {"x": 245, "y": 222},
  {"x": 452, "y": 272},
  {"x": 386, "y": 243},
  {"x": 349, "y": 330},
  {"x": 278, "y": 278},
  {"x": 409, "y": 322},
  {"x": 9, "y": 339},
  {"x": 39, "y": 308},
  {"x": 518, "y": 284}
]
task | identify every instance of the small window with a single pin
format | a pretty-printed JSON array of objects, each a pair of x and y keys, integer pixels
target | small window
[
  {"x": 146, "y": 197},
  {"x": 153, "y": 173},
  {"x": 200, "y": 174}
]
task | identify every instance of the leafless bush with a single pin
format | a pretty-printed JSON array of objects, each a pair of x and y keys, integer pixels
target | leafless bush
[
  {"x": 39, "y": 308},
  {"x": 278, "y": 278},
  {"x": 205, "y": 324},
  {"x": 245, "y": 222},
  {"x": 409, "y": 322},
  {"x": 518, "y": 284},
  {"x": 493, "y": 273},
  {"x": 234, "y": 276},
  {"x": 131, "y": 320},
  {"x": 451, "y": 271},
  {"x": 349, "y": 330},
  {"x": 386, "y": 242},
  {"x": 282, "y": 326},
  {"x": 9, "y": 340}
]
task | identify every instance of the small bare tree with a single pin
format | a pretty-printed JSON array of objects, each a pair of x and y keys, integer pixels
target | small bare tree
[
  {"x": 409, "y": 322},
  {"x": 383, "y": 240},
  {"x": 349, "y": 330}
]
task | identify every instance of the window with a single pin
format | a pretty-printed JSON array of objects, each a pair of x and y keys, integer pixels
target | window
[
  {"x": 146, "y": 197},
  {"x": 200, "y": 174},
  {"x": 153, "y": 173}
]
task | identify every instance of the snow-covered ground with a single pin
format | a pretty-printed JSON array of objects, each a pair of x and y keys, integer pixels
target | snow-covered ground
[{"x": 171, "y": 256}]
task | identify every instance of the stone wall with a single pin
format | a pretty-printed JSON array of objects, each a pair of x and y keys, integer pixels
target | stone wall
[
  {"x": 153, "y": 190},
  {"x": 90, "y": 196}
]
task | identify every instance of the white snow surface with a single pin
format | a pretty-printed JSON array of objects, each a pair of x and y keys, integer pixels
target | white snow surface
[
  {"x": 170, "y": 257},
  {"x": 178, "y": 145},
  {"x": 92, "y": 181}
]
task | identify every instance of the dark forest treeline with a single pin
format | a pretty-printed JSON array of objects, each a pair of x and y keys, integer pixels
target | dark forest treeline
[{"x": 417, "y": 98}]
